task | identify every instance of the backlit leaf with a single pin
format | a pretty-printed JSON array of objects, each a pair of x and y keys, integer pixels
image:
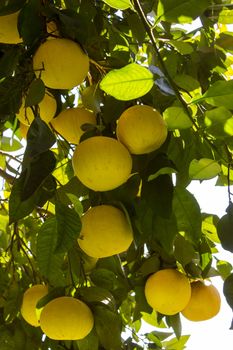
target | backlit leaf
[
  {"x": 118, "y": 4},
  {"x": 127, "y": 83},
  {"x": 203, "y": 169},
  {"x": 187, "y": 212},
  {"x": 182, "y": 11},
  {"x": 176, "y": 118},
  {"x": 219, "y": 94}
]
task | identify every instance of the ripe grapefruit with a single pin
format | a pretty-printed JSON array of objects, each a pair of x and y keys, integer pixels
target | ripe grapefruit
[
  {"x": 30, "y": 299},
  {"x": 68, "y": 123},
  {"x": 102, "y": 163},
  {"x": 9, "y": 30},
  {"x": 105, "y": 232},
  {"x": 61, "y": 63},
  {"x": 47, "y": 110},
  {"x": 168, "y": 291},
  {"x": 66, "y": 318},
  {"x": 141, "y": 129},
  {"x": 205, "y": 302}
]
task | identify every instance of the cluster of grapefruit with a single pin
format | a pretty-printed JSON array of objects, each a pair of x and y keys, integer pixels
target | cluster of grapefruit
[
  {"x": 101, "y": 163},
  {"x": 62, "y": 318},
  {"x": 169, "y": 291}
]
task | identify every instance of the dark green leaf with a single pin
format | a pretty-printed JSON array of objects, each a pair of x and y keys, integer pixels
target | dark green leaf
[
  {"x": 37, "y": 171},
  {"x": 68, "y": 227},
  {"x": 39, "y": 139},
  {"x": 228, "y": 290},
  {"x": 183, "y": 250},
  {"x": 7, "y": 7},
  {"x": 187, "y": 212},
  {"x": 31, "y": 23},
  {"x": 91, "y": 341},
  {"x": 36, "y": 92},
  {"x": 97, "y": 295},
  {"x": 9, "y": 60},
  {"x": 48, "y": 262},
  {"x": 225, "y": 229},
  {"x": 108, "y": 328},
  {"x": 175, "y": 322}
]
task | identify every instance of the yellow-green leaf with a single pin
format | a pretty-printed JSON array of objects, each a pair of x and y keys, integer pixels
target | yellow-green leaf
[
  {"x": 118, "y": 4},
  {"x": 176, "y": 118},
  {"x": 203, "y": 169},
  {"x": 128, "y": 83}
]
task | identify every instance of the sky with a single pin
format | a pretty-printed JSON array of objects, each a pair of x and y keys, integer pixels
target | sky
[{"x": 212, "y": 334}]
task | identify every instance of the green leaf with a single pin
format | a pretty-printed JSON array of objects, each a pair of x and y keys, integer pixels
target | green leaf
[
  {"x": 219, "y": 94},
  {"x": 219, "y": 122},
  {"x": 48, "y": 262},
  {"x": 182, "y": 47},
  {"x": 224, "y": 268},
  {"x": 36, "y": 172},
  {"x": 186, "y": 82},
  {"x": 118, "y": 4},
  {"x": 175, "y": 344},
  {"x": 9, "y": 61},
  {"x": 11, "y": 94},
  {"x": 176, "y": 118},
  {"x": 91, "y": 341},
  {"x": 9, "y": 144},
  {"x": 97, "y": 295},
  {"x": 225, "y": 16},
  {"x": 68, "y": 227},
  {"x": 18, "y": 209},
  {"x": 224, "y": 229},
  {"x": 183, "y": 250},
  {"x": 187, "y": 212},
  {"x": 165, "y": 231},
  {"x": 31, "y": 24},
  {"x": 127, "y": 83},
  {"x": 182, "y": 11},
  {"x": 203, "y": 169},
  {"x": 40, "y": 138},
  {"x": 36, "y": 92},
  {"x": 174, "y": 322},
  {"x": 108, "y": 328}
]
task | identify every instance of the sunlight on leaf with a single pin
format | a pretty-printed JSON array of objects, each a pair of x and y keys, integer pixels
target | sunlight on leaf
[
  {"x": 203, "y": 169},
  {"x": 127, "y": 83}
]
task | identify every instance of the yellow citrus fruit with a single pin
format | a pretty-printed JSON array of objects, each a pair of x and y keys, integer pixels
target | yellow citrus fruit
[
  {"x": 168, "y": 291},
  {"x": 30, "y": 299},
  {"x": 102, "y": 163},
  {"x": 8, "y": 29},
  {"x": 23, "y": 130},
  {"x": 205, "y": 302},
  {"x": 141, "y": 129},
  {"x": 68, "y": 123},
  {"x": 105, "y": 232},
  {"x": 61, "y": 63},
  {"x": 66, "y": 318},
  {"x": 47, "y": 110}
]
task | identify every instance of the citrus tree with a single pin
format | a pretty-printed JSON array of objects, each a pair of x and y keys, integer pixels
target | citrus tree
[{"x": 108, "y": 110}]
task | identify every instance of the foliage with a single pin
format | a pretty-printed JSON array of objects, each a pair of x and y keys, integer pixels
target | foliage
[{"x": 140, "y": 52}]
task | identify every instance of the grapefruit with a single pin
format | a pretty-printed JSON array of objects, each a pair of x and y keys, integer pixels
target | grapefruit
[
  {"x": 168, "y": 291},
  {"x": 61, "y": 63},
  {"x": 102, "y": 163},
  {"x": 105, "y": 232},
  {"x": 141, "y": 129},
  {"x": 66, "y": 318}
]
